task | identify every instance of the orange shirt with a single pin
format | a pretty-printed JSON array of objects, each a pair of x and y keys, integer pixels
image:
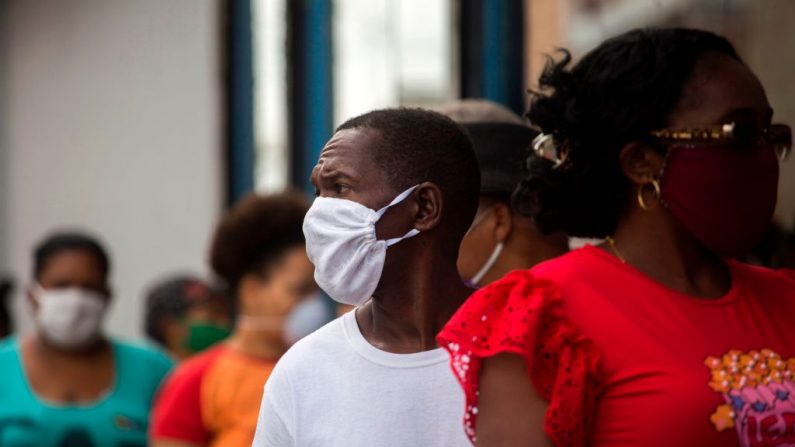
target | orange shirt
[{"x": 212, "y": 399}]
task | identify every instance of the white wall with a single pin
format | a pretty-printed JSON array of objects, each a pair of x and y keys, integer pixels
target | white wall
[
  {"x": 768, "y": 50},
  {"x": 110, "y": 120}
]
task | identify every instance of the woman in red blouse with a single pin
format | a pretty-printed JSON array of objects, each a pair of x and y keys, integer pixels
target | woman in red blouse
[{"x": 661, "y": 141}]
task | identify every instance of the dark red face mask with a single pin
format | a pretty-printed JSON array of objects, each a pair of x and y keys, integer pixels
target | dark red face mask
[{"x": 723, "y": 196}]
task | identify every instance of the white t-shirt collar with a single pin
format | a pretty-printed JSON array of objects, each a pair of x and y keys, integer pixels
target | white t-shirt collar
[{"x": 362, "y": 347}]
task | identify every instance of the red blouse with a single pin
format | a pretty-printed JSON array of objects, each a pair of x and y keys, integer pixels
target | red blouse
[{"x": 624, "y": 361}]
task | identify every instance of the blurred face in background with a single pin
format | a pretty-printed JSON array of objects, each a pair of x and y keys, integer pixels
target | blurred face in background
[
  {"x": 489, "y": 229},
  {"x": 201, "y": 326},
  {"x": 185, "y": 315},
  {"x": 268, "y": 298},
  {"x": 501, "y": 240},
  {"x": 69, "y": 299}
]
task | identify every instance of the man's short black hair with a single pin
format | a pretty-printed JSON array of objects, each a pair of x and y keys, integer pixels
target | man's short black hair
[
  {"x": 67, "y": 241},
  {"x": 417, "y": 145}
]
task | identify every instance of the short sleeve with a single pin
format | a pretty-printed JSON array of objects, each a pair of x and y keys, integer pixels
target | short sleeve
[
  {"x": 523, "y": 315},
  {"x": 160, "y": 367},
  {"x": 177, "y": 414},
  {"x": 276, "y": 422}
]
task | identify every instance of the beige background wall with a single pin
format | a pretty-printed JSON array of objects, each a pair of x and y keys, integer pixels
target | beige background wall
[
  {"x": 110, "y": 120},
  {"x": 769, "y": 48}
]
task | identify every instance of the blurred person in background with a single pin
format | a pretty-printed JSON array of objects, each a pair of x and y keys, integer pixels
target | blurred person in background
[
  {"x": 68, "y": 384},
  {"x": 308, "y": 316},
  {"x": 500, "y": 239},
  {"x": 476, "y": 110},
  {"x": 375, "y": 376},
  {"x": 663, "y": 141},
  {"x": 258, "y": 249},
  {"x": 777, "y": 249},
  {"x": 6, "y": 326},
  {"x": 186, "y": 316}
]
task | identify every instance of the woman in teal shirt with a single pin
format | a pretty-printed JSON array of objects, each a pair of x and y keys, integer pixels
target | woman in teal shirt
[{"x": 67, "y": 384}]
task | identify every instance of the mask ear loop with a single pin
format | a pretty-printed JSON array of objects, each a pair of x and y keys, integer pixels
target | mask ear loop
[
  {"x": 401, "y": 197},
  {"x": 480, "y": 218},
  {"x": 411, "y": 233},
  {"x": 489, "y": 264},
  {"x": 495, "y": 254}
]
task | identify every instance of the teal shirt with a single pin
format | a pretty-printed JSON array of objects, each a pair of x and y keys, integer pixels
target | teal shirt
[{"x": 120, "y": 419}]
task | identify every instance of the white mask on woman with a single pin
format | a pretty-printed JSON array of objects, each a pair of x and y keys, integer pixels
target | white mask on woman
[
  {"x": 69, "y": 318},
  {"x": 342, "y": 244},
  {"x": 474, "y": 281}
]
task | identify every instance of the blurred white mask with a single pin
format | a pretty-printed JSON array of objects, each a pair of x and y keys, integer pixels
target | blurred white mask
[{"x": 69, "y": 318}]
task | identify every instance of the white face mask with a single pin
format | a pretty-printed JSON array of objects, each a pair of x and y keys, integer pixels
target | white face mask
[
  {"x": 341, "y": 243},
  {"x": 307, "y": 317},
  {"x": 69, "y": 318},
  {"x": 474, "y": 281}
]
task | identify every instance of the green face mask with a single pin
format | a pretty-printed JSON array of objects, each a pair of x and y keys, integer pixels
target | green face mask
[{"x": 203, "y": 335}]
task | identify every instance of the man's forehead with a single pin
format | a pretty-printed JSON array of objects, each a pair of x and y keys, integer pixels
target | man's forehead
[
  {"x": 350, "y": 154},
  {"x": 354, "y": 148},
  {"x": 351, "y": 140}
]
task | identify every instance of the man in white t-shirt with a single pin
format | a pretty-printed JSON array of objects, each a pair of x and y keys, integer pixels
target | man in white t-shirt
[{"x": 406, "y": 179}]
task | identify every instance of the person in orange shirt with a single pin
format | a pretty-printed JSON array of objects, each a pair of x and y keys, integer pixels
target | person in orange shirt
[{"x": 213, "y": 398}]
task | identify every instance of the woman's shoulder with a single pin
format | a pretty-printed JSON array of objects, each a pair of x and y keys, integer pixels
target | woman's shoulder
[
  {"x": 765, "y": 282},
  {"x": 141, "y": 351},
  {"x": 8, "y": 344},
  {"x": 185, "y": 380},
  {"x": 511, "y": 314},
  {"x": 753, "y": 272},
  {"x": 538, "y": 286},
  {"x": 9, "y": 356},
  {"x": 571, "y": 264},
  {"x": 150, "y": 363},
  {"x": 195, "y": 367},
  {"x": 522, "y": 314}
]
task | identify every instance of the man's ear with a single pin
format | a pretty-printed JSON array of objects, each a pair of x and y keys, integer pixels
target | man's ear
[
  {"x": 640, "y": 163},
  {"x": 428, "y": 212}
]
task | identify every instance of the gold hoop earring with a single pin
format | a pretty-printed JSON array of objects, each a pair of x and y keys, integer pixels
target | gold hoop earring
[{"x": 656, "y": 185}]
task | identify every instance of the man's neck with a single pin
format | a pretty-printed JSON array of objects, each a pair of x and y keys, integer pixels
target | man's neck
[{"x": 406, "y": 313}]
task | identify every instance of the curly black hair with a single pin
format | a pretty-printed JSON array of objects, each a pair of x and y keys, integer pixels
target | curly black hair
[
  {"x": 256, "y": 232},
  {"x": 617, "y": 93}
]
